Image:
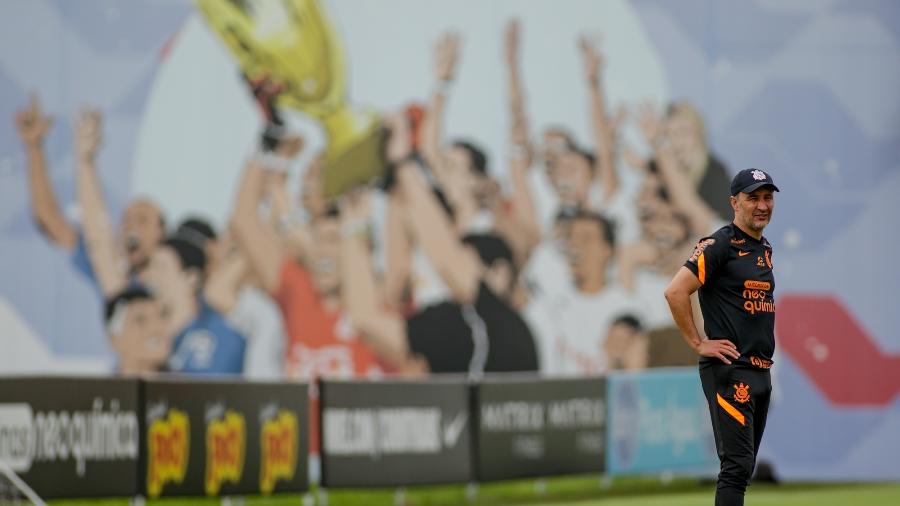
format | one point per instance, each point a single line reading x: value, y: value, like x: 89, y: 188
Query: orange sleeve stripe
x: 701, y: 268
x: 731, y: 410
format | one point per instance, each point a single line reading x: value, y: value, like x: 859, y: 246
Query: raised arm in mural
x: 106, y: 258
x: 604, y: 127
x: 258, y: 237
x: 398, y: 252
x: 284, y: 215
x: 33, y: 126
x: 681, y: 190
x: 231, y: 271
x: 432, y: 228
x: 476, y: 331
x: 522, y: 229
x: 227, y: 274
x: 446, y: 55
x: 382, y: 329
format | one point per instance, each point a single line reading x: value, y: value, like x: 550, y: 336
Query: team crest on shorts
x: 741, y: 392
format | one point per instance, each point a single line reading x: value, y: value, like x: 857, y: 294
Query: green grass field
x: 568, y: 491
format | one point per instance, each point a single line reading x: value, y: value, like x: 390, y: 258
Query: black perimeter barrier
x: 395, y: 432
x: 530, y: 427
x: 74, y: 437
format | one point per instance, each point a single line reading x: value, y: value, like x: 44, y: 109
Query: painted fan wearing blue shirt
x: 203, y: 342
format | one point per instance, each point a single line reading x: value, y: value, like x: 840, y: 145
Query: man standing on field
x: 732, y: 269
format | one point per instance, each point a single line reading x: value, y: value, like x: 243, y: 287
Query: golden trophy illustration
x: 292, y: 44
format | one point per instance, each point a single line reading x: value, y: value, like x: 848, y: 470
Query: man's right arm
x: 526, y: 229
x: 678, y: 295
x: 446, y: 56
x: 458, y: 266
x: 257, y: 237
x: 106, y: 258
x: 604, y: 127
x: 398, y: 271
x: 33, y: 127
x: 383, y: 331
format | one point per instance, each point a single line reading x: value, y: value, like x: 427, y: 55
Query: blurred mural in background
x: 200, y: 248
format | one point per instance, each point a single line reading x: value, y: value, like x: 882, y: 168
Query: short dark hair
x: 562, y: 131
x: 608, y: 228
x: 662, y: 192
x: 196, y: 230
x: 476, y: 155
x: 566, y: 214
x: 629, y: 320
x: 190, y: 255
x: 132, y: 292
x: 587, y: 155
x: 332, y: 210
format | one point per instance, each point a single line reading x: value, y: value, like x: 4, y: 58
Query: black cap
x: 748, y: 180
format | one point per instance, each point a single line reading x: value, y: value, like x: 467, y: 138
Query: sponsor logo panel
x: 168, y: 447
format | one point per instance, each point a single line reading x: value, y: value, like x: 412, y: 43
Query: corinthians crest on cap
x: 758, y: 175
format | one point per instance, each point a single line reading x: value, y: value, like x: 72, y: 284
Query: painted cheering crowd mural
x: 345, y: 189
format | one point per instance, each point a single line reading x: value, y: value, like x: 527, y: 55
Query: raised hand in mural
x: 511, y: 42
x: 593, y: 60
x: 446, y: 56
x: 88, y: 134
x: 32, y: 123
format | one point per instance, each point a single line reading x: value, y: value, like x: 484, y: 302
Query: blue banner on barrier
x: 659, y: 421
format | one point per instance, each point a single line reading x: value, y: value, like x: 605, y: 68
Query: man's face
x: 462, y: 184
x: 459, y: 160
x: 141, y: 231
x: 142, y: 336
x: 572, y: 179
x: 554, y: 144
x: 174, y: 287
x: 649, y: 204
x: 754, y: 210
x: 587, y: 249
x: 684, y: 134
x: 216, y: 250
x: 663, y: 227
x: 626, y: 347
x: 325, y: 255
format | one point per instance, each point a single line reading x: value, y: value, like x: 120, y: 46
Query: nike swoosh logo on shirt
x: 743, y: 253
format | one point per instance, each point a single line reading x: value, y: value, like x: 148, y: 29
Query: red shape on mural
x: 835, y: 352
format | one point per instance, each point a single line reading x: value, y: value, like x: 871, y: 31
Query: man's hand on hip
x: 719, y: 348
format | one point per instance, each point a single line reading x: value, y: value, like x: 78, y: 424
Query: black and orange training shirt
x: 737, y: 292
